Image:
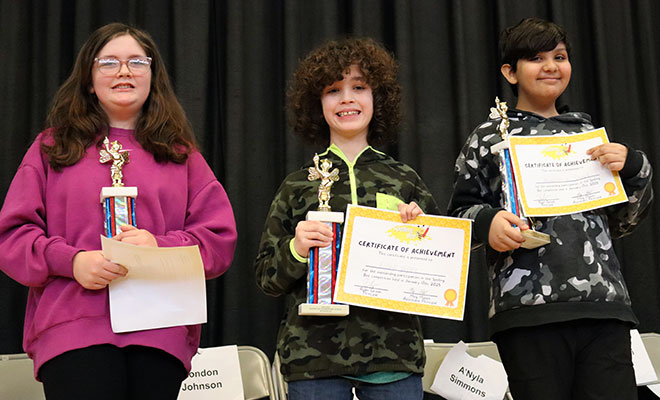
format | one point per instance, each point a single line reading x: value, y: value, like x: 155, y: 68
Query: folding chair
x: 652, y: 344
x: 255, y: 373
x: 278, y: 379
x: 489, y: 349
x: 436, y: 352
x: 17, y: 377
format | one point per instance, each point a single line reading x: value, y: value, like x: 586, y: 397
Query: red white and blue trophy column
x: 118, y: 200
x: 323, y: 261
x: 510, y: 196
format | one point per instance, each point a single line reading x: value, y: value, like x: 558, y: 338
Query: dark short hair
x: 529, y: 37
x: 327, y: 64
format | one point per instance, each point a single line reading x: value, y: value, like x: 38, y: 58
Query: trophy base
x: 534, y: 239
x: 496, y: 148
x: 118, y: 191
x: 326, y: 216
x: 323, y: 310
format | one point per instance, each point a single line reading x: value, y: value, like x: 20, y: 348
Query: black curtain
x: 230, y: 62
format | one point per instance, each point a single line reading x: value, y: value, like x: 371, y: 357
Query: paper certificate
x: 555, y: 176
x: 165, y: 286
x: 419, y: 267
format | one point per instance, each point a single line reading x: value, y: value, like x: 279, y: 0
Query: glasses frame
x: 122, y: 62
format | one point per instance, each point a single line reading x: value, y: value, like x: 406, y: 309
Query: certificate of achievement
x: 555, y: 176
x: 418, y: 267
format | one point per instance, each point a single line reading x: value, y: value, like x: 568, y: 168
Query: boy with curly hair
x: 560, y: 314
x: 344, y: 94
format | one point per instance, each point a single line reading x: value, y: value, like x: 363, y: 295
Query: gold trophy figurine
x: 118, y: 201
x: 327, y: 179
x: 511, y: 202
x: 323, y: 262
x: 113, y: 152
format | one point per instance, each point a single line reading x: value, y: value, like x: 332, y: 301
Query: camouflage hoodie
x: 366, y: 340
x: 577, y: 275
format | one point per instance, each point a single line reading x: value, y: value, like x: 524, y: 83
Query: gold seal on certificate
x: 118, y: 200
x: 322, y: 262
x: 510, y: 196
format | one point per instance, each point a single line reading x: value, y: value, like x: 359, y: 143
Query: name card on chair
x: 215, y: 374
x: 463, y: 377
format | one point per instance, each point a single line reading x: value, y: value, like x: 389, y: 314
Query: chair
x: 255, y: 373
x: 17, y: 378
x: 489, y: 349
x: 652, y: 344
x: 436, y: 352
x: 278, y: 379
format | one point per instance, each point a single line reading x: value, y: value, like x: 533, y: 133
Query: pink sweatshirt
x: 49, y: 216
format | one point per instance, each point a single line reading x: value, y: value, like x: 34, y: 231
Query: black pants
x: 580, y: 360
x: 113, y: 373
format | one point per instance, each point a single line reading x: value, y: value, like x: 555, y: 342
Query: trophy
x: 118, y: 200
x: 511, y: 200
x: 323, y: 261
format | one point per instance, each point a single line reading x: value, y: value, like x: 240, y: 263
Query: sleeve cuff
x: 482, y: 223
x: 295, y: 254
x: 60, y: 259
x: 633, y: 164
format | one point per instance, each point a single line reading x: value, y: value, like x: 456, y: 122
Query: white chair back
x: 652, y: 344
x: 17, y: 378
x: 255, y: 373
x: 436, y: 352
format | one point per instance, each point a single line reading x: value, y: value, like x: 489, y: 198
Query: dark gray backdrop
x: 230, y: 61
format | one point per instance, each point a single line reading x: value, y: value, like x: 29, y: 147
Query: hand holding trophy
x: 533, y: 239
x: 323, y: 261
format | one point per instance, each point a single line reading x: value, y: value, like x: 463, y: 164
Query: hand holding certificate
x: 419, y: 267
x: 556, y: 176
x: 165, y: 286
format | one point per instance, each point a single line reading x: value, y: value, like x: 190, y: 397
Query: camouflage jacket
x: 366, y: 340
x: 577, y: 275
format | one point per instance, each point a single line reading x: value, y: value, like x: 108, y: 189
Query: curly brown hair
x: 77, y: 117
x: 328, y: 64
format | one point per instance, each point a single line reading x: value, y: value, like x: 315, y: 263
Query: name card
x: 463, y: 377
x: 215, y: 374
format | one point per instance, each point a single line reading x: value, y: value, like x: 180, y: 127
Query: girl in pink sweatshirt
x: 51, y: 222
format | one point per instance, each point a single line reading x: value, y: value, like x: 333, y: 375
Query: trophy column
x: 533, y: 239
x: 323, y: 261
x: 118, y: 200
x: 118, y: 208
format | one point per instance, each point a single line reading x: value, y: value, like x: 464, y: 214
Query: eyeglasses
x: 111, y: 65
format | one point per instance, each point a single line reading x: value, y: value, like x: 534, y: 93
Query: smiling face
x: 541, y: 79
x: 121, y: 95
x: 348, y: 106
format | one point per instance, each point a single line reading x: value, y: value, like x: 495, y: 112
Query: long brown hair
x: 162, y: 128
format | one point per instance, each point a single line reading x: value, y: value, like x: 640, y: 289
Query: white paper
x: 164, y: 287
x: 644, y: 372
x: 463, y: 377
x: 215, y: 374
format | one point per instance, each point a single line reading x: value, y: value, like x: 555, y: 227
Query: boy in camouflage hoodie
x: 560, y: 314
x: 344, y: 93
